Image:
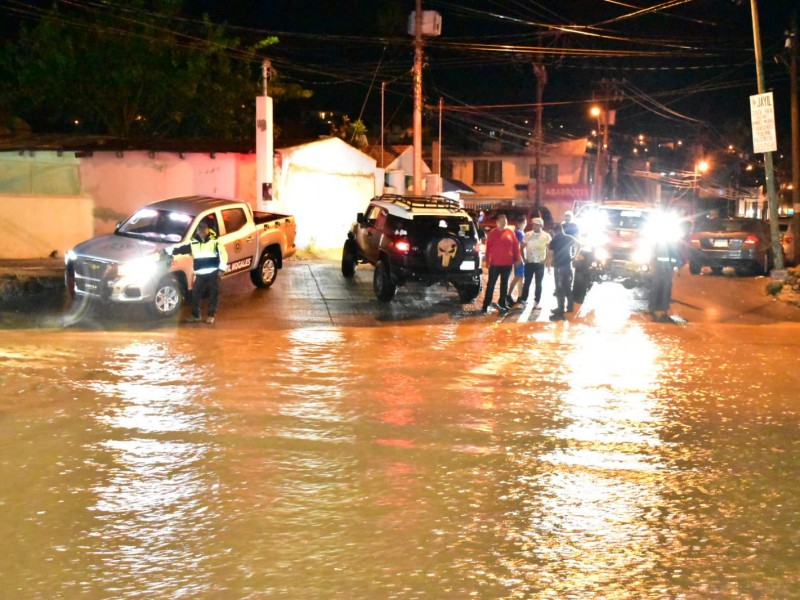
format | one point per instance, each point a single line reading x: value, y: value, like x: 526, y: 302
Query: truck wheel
x: 580, y: 285
x: 168, y: 298
x: 695, y: 268
x: 382, y: 283
x: 468, y: 293
x: 349, y: 259
x: 265, y: 273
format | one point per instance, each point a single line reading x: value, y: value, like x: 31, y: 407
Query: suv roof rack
x: 413, y: 202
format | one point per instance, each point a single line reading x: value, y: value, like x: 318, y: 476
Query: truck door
x: 370, y: 233
x: 239, y: 237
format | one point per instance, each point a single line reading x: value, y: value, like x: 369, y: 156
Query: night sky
x: 685, y: 67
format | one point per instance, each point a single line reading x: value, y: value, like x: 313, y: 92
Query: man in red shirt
x: 502, y: 253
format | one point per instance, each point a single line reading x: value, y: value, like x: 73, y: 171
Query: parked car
x: 514, y: 212
x: 739, y: 242
x: 130, y: 265
x: 788, y: 231
x: 616, y: 240
x: 426, y: 239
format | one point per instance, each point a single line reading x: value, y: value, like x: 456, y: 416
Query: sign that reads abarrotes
x: 762, y: 117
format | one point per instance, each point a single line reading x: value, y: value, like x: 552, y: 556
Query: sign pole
x: 769, y: 172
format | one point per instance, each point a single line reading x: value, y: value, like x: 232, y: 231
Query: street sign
x: 762, y: 117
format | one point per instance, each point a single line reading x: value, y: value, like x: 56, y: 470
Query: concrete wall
x: 121, y: 184
x: 35, y: 226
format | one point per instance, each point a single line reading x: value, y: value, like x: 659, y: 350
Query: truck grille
x: 91, y: 274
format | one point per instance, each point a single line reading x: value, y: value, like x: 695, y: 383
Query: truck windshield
x: 161, y: 225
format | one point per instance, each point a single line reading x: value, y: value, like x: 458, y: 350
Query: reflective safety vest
x: 209, y: 255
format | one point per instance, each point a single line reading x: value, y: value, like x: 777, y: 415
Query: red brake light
x: 402, y: 246
x: 751, y: 239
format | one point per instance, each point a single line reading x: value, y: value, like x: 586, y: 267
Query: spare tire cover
x: 445, y: 253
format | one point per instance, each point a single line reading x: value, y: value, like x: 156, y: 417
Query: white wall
x: 35, y: 226
x: 121, y: 184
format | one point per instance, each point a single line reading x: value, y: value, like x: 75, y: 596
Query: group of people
x: 518, y: 258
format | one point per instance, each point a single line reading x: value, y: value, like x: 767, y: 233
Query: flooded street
x: 460, y: 458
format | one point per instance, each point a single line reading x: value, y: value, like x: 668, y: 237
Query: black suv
x: 426, y: 239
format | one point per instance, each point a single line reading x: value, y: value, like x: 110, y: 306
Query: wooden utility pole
x: 791, y: 46
x: 777, y: 249
x: 541, y: 80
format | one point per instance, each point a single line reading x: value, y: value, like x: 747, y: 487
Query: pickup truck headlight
x: 141, y: 268
x: 601, y: 254
x: 70, y: 257
x: 642, y: 255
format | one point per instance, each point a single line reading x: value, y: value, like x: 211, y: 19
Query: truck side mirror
x: 360, y: 219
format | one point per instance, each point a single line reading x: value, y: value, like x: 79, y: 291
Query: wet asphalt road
x: 313, y: 293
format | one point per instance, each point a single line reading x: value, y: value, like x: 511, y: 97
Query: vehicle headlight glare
x: 641, y: 256
x: 601, y: 254
x: 138, y: 269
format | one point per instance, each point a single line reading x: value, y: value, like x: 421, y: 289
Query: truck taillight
x: 750, y: 240
x: 402, y: 246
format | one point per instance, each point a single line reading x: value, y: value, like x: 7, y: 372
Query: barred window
x: 487, y: 171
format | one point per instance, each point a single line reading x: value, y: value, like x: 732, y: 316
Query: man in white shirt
x: 535, y: 244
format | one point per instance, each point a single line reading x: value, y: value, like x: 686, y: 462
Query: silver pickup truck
x: 130, y: 265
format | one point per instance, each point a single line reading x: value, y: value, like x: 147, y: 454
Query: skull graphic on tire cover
x: 446, y: 250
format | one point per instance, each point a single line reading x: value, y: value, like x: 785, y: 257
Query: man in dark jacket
x: 562, y: 251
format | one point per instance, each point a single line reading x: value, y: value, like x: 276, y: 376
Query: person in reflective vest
x: 210, y: 261
x: 665, y: 262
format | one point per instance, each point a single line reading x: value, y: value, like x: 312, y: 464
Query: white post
x: 264, y: 146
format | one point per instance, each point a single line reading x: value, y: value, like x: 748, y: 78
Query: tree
x: 132, y: 69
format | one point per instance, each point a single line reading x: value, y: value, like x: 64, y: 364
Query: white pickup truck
x: 130, y: 265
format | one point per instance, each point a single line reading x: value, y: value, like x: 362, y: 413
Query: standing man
x: 210, y: 261
x: 502, y: 253
x: 665, y: 262
x: 535, y: 245
x: 562, y: 251
x: 569, y: 225
x: 519, y: 269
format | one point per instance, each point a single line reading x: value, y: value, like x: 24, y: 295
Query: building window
x: 487, y: 171
x: 549, y: 173
x: 447, y: 169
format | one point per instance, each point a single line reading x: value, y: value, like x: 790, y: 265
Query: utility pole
x: 264, y: 143
x: 769, y: 170
x: 791, y: 46
x: 540, y: 71
x: 418, y: 99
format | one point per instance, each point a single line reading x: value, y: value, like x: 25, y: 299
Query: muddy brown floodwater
x: 466, y: 459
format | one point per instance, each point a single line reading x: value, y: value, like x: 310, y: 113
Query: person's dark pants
x: 533, y: 272
x: 504, y: 274
x: 208, y: 282
x: 563, y: 280
x: 661, y: 292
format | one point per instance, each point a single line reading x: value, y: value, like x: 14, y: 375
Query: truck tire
x: 468, y: 293
x: 265, y: 273
x: 382, y: 283
x: 349, y: 259
x: 695, y: 268
x: 168, y: 298
x: 445, y: 254
x: 580, y: 285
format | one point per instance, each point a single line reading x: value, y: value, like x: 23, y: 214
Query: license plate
x: 721, y: 243
x: 468, y: 265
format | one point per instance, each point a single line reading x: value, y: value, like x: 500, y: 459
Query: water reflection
x: 457, y: 461
x: 154, y: 493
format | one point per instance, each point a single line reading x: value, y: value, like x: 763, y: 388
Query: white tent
x: 323, y: 184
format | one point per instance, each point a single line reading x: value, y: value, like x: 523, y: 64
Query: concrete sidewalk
x: 24, y: 277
